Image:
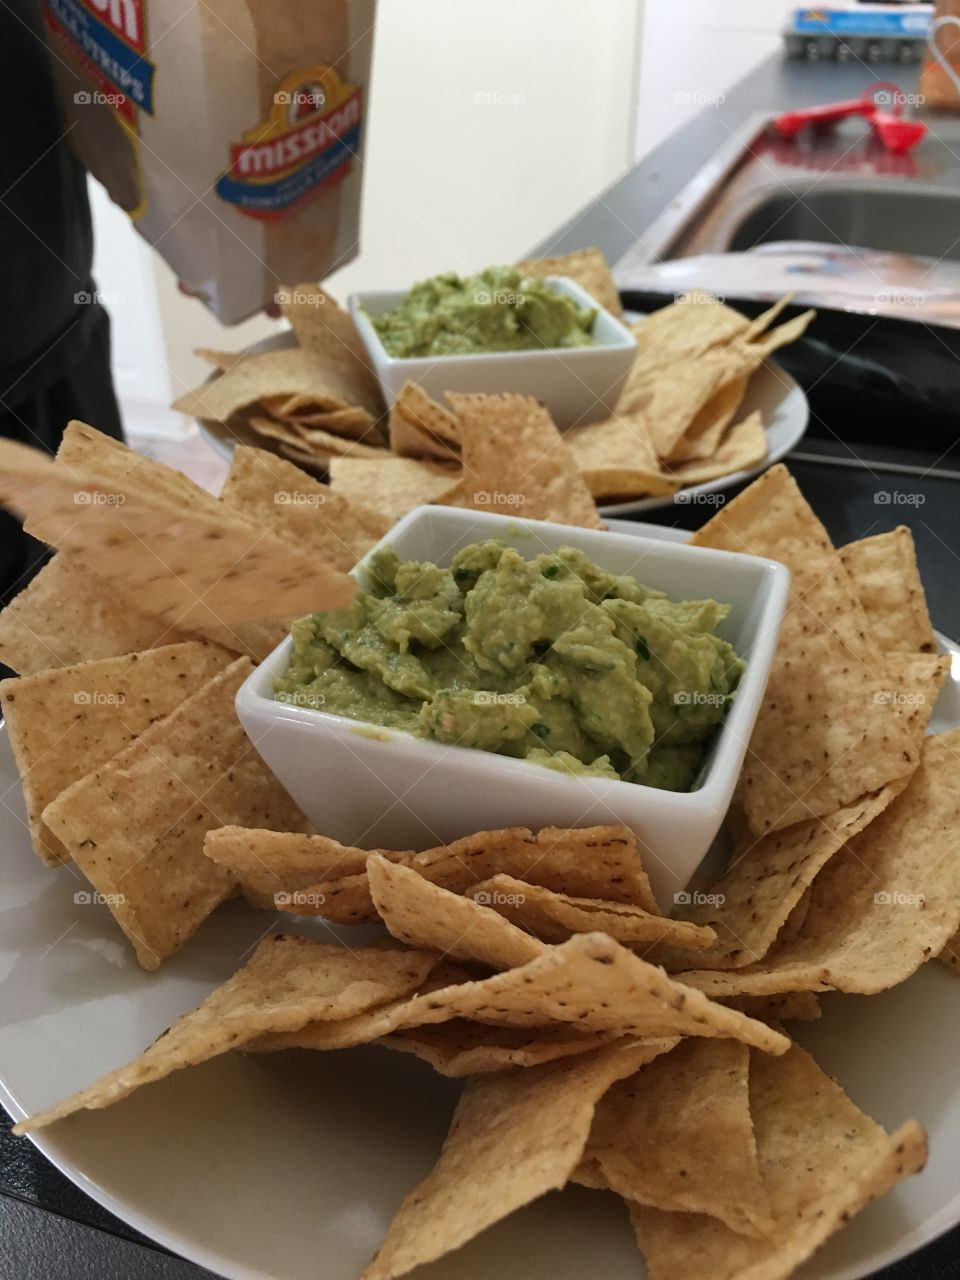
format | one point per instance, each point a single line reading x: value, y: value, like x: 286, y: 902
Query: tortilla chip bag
x: 229, y: 131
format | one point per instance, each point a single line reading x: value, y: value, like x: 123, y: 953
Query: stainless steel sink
x: 913, y: 221
x: 838, y: 188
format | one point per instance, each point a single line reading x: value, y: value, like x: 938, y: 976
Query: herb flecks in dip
x: 499, y: 309
x: 552, y: 660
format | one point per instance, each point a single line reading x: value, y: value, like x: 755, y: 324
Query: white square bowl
x: 577, y: 384
x: 382, y: 788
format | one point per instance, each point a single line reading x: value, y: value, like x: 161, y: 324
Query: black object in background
x: 54, y: 335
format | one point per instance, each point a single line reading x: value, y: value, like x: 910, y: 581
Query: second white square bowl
x: 577, y: 384
x: 380, y: 788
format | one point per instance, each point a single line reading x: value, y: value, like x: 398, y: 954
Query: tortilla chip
x: 868, y: 734
x: 69, y: 720
x: 276, y: 864
x: 837, y: 718
x: 68, y: 614
x: 593, y: 983
x: 341, y: 899
x: 684, y: 331
x: 327, y: 331
x: 677, y: 1136
x: 821, y: 1161
x: 882, y: 906
x: 117, y: 466
x: 515, y: 460
x: 421, y: 428
x: 311, y: 444
x: 514, y: 1136
x: 286, y: 983
x: 304, y: 411
x: 191, y: 771
x: 690, y: 406
x: 950, y: 955
x: 410, y: 438
x: 355, y: 422
x: 766, y: 318
x: 221, y: 360
x: 324, y: 444
x: 791, y: 1006
x: 306, y: 459
x: 770, y: 518
x: 589, y: 862
x: 702, y: 438
x: 300, y: 510
x: 588, y: 267
x: 589, y: 983
x: 673, y: 397
x: 269, y: 429
x: 461, y: 1048
x: 198, y: 568
x: 422, y: 914
x: 767, y: 342
x: 371, y: 1026
x: 885, y: 571
x: 414, y: 403
x: 749, y: 905
x: 554, y: 917
x: 392, y: 486
x: 616, y: 458
x: 742, y: 448
x: 292, y: 372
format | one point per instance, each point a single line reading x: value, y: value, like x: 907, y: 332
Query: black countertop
x: 49, y: 1230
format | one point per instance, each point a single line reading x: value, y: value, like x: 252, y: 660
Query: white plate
x: 785, y: 413
x: 782, y: 404
x: 289, y: 1166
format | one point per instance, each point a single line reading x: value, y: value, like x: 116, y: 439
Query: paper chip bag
x: 229, y: 131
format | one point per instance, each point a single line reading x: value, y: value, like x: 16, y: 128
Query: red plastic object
x: 896, y: 135
x: 791, y: 123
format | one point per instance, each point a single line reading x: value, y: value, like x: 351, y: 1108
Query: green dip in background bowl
x: 499, y: 309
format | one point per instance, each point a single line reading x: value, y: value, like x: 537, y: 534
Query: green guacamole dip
x: 551, y: 660
x: 500, y: 309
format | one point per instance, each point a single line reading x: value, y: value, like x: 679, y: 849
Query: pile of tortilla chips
x: 311, y: 401
x: 845, y: 866
x: 131, y: 644
x: 677, y: 422
x: 516, y: 960
x: 601, y: 1041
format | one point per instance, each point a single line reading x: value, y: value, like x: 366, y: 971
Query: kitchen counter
x: 617, y: 218
x: 50, y: 1230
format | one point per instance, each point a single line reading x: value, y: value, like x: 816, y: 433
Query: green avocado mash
x: 551, y: 660
x: 500, y: 309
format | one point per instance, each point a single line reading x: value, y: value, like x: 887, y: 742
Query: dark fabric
x: 46, y: 240
x: 85, y: 391
x: 54, y: 338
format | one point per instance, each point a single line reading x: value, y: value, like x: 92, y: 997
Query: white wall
x: 693, y: 52
x: 123, y: 272
x: 491, y: 121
